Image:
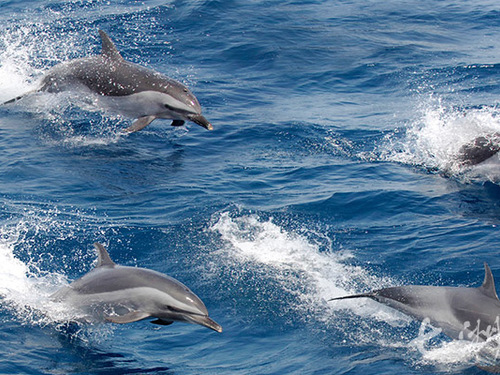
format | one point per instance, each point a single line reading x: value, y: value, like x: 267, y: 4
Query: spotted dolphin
x: 120, y: 294
x: 130, y: 89
x: 462, y: 313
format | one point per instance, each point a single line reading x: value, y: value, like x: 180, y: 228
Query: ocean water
x: 331, y: 170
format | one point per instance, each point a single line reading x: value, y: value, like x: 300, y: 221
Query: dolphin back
x: 479, y: 150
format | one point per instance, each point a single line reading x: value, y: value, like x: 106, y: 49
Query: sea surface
x: 331, y: 170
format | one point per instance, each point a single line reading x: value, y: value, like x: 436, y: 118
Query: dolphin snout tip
x: 212, y: 324
x: 205, y: 321
x: 201, y: 120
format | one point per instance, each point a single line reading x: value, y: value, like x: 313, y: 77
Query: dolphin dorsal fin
x: 488, y: 287
x: 104, y: 259
x: 108, y: 47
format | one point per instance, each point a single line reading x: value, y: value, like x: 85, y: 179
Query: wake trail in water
x: 308, y: 270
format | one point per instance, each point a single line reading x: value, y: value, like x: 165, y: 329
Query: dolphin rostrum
x: 120, y: 294
x: 130, y: 89
x: 462, y: 313
x: 480, y: 149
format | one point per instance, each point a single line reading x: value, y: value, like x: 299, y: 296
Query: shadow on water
x: 480, y: 202
x: 86, y: 358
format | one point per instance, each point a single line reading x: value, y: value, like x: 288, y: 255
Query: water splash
x: 434, y: 139
x: 24, y: 291
x: 29, y: 274
x: 307, y: 269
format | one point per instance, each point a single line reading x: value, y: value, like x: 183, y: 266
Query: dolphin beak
x: 205, y: 321
x: 200, y: 120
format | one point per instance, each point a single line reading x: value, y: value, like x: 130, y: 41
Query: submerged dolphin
x: 131, y: 89
x: 462, y: 313
x: 120, y: 294
x: 480, y: 149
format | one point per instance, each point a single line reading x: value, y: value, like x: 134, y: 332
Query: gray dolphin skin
x: 462, y: 313
x: 480, y: 149
x: 120, y: 294
x: 131, y: 89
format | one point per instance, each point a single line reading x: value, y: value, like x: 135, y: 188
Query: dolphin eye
x: 169, y: 107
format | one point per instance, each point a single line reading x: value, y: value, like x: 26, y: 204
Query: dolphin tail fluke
x: 13, y: 100
x: 363, y: 295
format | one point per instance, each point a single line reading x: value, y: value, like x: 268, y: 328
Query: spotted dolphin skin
x: 462, y: 313
x: 119, y: 294
x: 130, y: 89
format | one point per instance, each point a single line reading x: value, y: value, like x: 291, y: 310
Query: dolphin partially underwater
x: 462, y: 313
x: 479, y: 149
x: 120, y: 294
x: 130, y: 89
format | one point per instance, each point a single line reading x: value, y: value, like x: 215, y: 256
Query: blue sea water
x: 331, y: 170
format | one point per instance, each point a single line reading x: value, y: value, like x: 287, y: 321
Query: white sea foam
x: 25, y: 288
x: 17, y: 75
x: 308, y: 269
x: 27, y: 293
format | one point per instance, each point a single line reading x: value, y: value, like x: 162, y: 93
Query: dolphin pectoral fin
x: 130, y: 317
x: 140, y: 123
x: 177, y: 123
x: 162, y: 322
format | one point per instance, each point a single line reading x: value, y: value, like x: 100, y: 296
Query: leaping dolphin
x: 462, y: 313
x: 131, y: 89
x: 121, y: 294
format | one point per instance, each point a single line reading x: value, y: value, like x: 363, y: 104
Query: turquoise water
x: 331, y: 170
